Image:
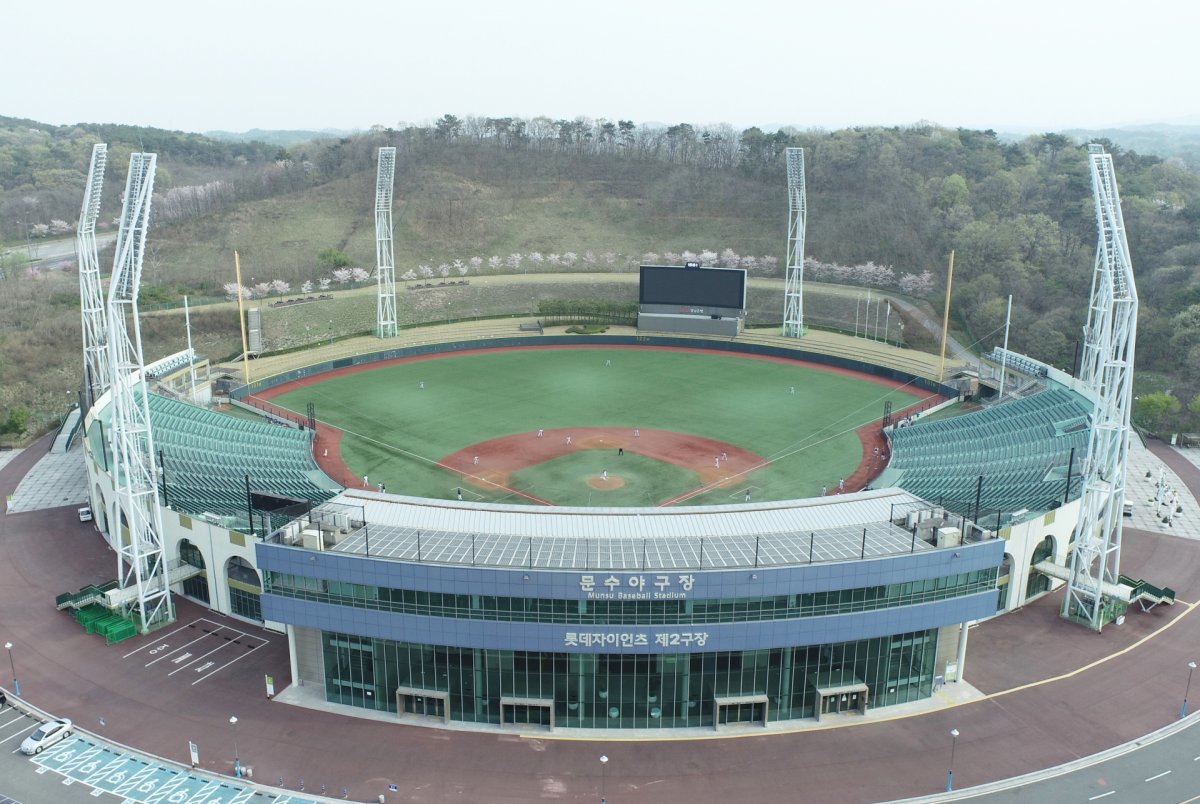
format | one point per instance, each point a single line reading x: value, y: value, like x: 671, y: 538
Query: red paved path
x: 70, y: 673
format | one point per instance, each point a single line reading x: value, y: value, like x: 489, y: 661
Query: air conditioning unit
x: 949, y: 537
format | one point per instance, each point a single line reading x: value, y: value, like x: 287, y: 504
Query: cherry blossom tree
x: 514, y: 261
x: 408, y: 275
x: 687, y: 256
x: 307, y: 287
x: 476, y: 263
x: 671, y: 257
x: 649, y: 258
x: 426, y: 271
x: 280, y: 287
x: 462, y: 269
x: 915, y: 285
x: 324, y: 283
x: 589, y: 258
x: 342, y: 275
x: 569, y: 258
x: 536, y: 259
x: 261, y: 290
x: 554, y: 259
x: 494, y: 262
x: 609, y: 258
x: 359, y: 275
x: 708, y: 257
x: 444, y: 270
x: 749, y: 263
x: 231, y: 290
x: 730, y: 259
x: 769, y: 264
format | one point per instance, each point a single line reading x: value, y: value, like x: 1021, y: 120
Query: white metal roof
x: 839, y: 528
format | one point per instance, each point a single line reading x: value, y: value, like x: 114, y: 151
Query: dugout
x: 692, y: 300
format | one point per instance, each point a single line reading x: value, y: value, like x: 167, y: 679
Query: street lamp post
x: 237, y: 758
x: 16, y: 686
x: 950, y: 775
x: 1186, y: 690
x: 603, y: 776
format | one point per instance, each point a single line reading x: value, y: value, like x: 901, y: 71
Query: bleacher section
x: 1017, y: 362
x: 207, y: 456
x: 170, y: 364
x: 1021, y: 448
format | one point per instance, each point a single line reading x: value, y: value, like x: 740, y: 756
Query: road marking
x: 222, y: 667
x: 18, y: 734
x: 182, y: 658
x: 215, y: 633
x: 1102, y: 795
x: 1159, y: 776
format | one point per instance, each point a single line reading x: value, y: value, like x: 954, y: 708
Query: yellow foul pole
x: 237, y: 267
x: 945, y: 320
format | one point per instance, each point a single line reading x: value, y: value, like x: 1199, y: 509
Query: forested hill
x: 489, y: 194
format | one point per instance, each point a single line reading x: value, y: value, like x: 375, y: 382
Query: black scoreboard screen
x: 693, y: 287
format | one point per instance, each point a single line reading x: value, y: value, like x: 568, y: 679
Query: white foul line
x: 1159, y: 776
x: 1102, y: 795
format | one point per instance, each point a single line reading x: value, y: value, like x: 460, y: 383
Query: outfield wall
x: 516, y: 342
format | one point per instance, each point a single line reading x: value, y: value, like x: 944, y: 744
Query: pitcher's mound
x: 611, y: 483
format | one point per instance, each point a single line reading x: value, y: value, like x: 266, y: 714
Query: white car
x: 85, y: 514
x: 49, y: 733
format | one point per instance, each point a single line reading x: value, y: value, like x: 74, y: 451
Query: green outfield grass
x: 395, y: 429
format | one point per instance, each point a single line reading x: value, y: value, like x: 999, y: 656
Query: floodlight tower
x: 793, y: 283
x: 91, y: 294
x: 140, y: 553
x: 385, y: 270
x: 1109, y: 340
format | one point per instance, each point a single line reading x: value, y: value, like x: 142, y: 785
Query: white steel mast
x: 1108, y: 356
x: 385, y: 270
x: 91, y: 294
x: 139, y: 539
x: 793, y: 283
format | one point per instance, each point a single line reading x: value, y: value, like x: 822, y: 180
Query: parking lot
x: 196, y: 651
x: 19, y: 779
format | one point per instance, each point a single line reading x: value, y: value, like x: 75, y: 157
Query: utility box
x: 949, y: 537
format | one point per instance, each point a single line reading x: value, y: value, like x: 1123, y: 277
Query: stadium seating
x: 208, y: 455
x: 1020, y: 447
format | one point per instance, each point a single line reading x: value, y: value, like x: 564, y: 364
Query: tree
x: 448, y: 127
x: 1149, y: 409
x: 332, y: 258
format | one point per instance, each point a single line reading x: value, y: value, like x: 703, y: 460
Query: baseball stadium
x: 672, y: 523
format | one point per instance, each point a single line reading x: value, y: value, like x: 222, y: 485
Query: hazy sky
x: 1018, y: 65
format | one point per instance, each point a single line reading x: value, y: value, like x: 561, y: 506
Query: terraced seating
x: 1020, y: 447
x: 208, y: 455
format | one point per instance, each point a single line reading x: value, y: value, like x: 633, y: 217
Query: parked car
x: 49, y: 733
x: 85, y: 514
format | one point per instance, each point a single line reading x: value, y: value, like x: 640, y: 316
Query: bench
x: 536, y: 326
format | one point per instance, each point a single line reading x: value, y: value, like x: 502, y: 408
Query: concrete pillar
x: 295, y: 664
x: 962, y: 651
